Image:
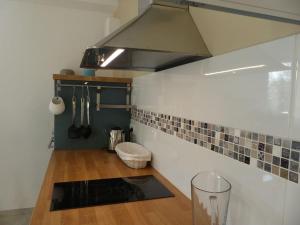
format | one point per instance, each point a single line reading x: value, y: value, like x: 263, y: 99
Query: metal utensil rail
x: 99, y: 87
x: 90, y: 86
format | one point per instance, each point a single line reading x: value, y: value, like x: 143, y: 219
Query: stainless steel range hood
x: 162, y: 37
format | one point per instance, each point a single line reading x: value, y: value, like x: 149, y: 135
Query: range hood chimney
x: 163, y: 36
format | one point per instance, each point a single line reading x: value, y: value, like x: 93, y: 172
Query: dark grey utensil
x: 83, y: 129
x: 73, y: 131
x: 88, y: 129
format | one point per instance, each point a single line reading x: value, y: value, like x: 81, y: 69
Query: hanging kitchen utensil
x: 57, y: 105
x: 88, y: 130
x: 82, y: 127
x: 73, y: 131
x: 98, y: 101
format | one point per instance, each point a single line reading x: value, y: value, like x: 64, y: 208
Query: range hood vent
x: 162, y: 37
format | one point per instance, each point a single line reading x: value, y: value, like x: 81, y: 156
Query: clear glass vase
x: 210, y: 198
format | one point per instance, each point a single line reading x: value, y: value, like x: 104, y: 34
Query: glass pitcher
x: 210, y: 198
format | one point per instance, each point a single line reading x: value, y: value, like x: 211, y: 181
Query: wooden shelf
x: 108, y: 106
x: 92, y: 78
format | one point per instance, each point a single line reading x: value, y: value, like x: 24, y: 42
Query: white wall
x: 263, y: 100
x: 36, y: 41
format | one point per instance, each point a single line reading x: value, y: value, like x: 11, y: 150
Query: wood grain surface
x: 67, y: 165
x: 92, y: 78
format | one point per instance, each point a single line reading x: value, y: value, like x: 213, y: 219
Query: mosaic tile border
x: 276, y: 155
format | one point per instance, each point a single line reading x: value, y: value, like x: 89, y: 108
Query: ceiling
x: 289, y: 9
x: 225, y: 32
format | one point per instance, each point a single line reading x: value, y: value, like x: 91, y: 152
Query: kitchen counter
x: 67, y: 165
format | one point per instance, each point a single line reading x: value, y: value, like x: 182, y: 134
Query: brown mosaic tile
x: 268, y: 158
x: 275, y: 170
x: 255, y: 145
x: 248, y: 143
x: 284, y: 173
x: 261, y: 138
x: 269, y: 148
x: 242, y: 141
x: 254, y: 154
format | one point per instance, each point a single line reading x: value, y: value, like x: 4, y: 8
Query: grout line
x: 15, y: 212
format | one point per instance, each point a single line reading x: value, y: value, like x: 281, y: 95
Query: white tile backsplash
x: 257, y: 197
x: 295, y: 115
x: 250, y: 99
x: 256, y: 99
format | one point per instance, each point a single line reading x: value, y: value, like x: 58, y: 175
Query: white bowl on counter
x: 133, y: 155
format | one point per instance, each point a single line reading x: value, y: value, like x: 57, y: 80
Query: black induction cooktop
x: 78, y: 194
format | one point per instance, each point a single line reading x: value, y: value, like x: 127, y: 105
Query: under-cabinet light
x: 236, y: 69
x: 115, y: 54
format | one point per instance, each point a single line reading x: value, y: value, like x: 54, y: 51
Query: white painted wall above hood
x: 281, y: 8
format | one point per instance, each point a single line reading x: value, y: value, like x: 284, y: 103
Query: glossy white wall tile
x: 252, y: 97
x: 257, y: 197
x: 292, y: 200
x: 295, y: 115
x: 249, y: 89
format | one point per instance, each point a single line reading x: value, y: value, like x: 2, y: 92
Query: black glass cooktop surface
x: 78, y: 194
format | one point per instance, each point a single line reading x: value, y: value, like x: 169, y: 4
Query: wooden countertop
x: 66, y: 165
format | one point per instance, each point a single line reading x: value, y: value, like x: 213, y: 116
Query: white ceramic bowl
x: 133, y: 155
